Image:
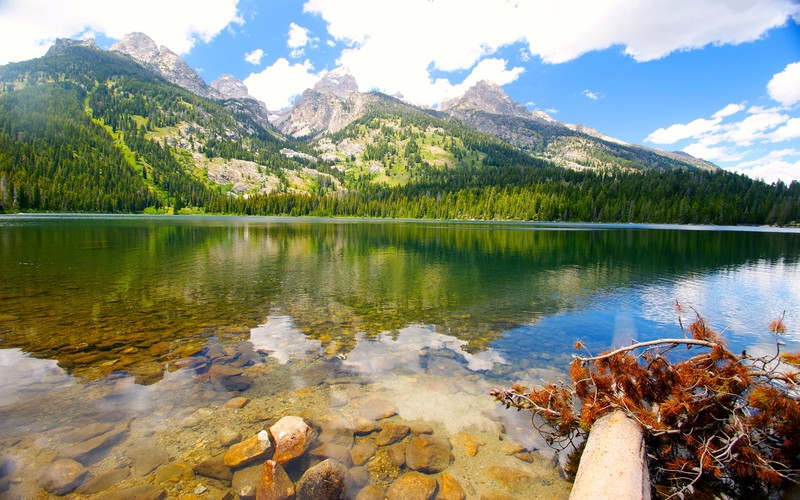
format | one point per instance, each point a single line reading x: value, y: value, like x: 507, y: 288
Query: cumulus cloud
x: 28, y: 27
x: 729, y: 110
x: 298, y: 39
x: 783, y: 164
x: 790, y: 130
x: 280, y: 83
x: 680, y: 131
x: 254, y: 57
x: 785, y: 86
x: 396, y: 46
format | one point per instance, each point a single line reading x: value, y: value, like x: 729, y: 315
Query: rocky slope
x: 163, y: 61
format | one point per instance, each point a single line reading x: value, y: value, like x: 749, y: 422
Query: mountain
x: 163, y: 61
x: 83, y: 129
x: 332, y: 104
x: 487, y: 107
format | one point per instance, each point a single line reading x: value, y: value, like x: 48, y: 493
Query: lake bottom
x: 365, y: 408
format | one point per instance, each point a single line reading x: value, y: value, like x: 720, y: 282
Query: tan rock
x: 237, y: 402
x: 512, y: 480
x: 245, y: 481
x: 362, y: 426
x: 428, y: 454
x: 228, y: 437
x: 292, y: 437
x: 274, y: 483
x: 391, y: 433
x: 362, y: 452
x: 449, y: 488
x: 250, y: 450
x: 174, y: 472
x: 371, y: 492
x: 412, y: 486
x: 215, y: 468
x: 377, y: 409
x: 468, y: 443
x: 332, y: 450
x: 62, y: 476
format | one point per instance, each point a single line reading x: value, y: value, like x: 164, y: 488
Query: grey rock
x: 146, y: 457
x: 103, y: 481
x: 328, y: 479
x: 245, y: 481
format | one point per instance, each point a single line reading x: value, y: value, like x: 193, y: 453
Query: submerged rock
x: 428, y: 454
x: 214, y: 468
x: 146, y: 492
x: 377, y: 409
x: 449, y: 488
x: 328, y: 479
x: 85, y: 451
x: 228, y: 437
x: 274, y: 483
x: 146, y: 457
x: 103, y: 481
x: 253, y: 449
x: 391, y: 433
x: 245, y: 481
x: 412, y: 486
x: 292, y: 437
x: 62, y: 476
x: 362, y: 452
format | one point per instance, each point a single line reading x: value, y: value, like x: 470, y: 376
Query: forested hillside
x: 84, y: 130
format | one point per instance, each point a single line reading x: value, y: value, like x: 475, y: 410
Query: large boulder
x: 292, y: 437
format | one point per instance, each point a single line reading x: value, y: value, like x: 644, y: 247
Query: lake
x: 142, y: 346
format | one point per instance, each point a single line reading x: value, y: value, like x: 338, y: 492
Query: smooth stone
x: 197, y: 418
x: 174, y: 472
x: 469, y: 443
x: 103, y: 481
x: 292, y: 437
x: 7, y: 466
x: 336, y: 437
x: 83, y: 452
x: 362, y: 452
x: 417, y: 428
x: 228, y: 437
x: 360, y: 475
x: 252, y: 449
x: 378, y: 409
x: 87, y: 432
x: 245, y: 481
x: 328, y: 479
x: 362, y: 426
x: 391, y: 433
x: 449, y: 488
x: 397, y: 454
x: 237, y: 402
x: 146, y: 492
x: 371, y: 492
x: 412, y: 486
x: 62, y: 476
x: 525, y: 456
x: 237, y: 383
x: 514, y: 481
x: 428, y: 454
x: 146, y: 457
x: 331, y: 450
x: 274, y: 483
x: 214, y: 468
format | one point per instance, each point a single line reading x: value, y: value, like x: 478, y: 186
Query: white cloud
x: 790, y: 130
x: 680, y: 131
x: 298, y: 39
x: 777, y: 165
x: 28, y: 27
x: 785, y: 86
x: 754, y: 127
x: 394, y: 46
x: 594, y: 96
x: 254, y: 57
x: 279, y: 84
x: 729, y: 110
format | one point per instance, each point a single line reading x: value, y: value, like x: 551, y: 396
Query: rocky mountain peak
x: 338, y: 82
x: 62, y: 44
x: 168, y: 64
x: 230, y: 87
x: 488, y: 97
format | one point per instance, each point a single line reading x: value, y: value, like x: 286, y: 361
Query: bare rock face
x: 292, y: 437
x: 163, y: 61
x: 488, y: 97
x: 230, y: 87
x: 338, y: 82
x: 61, y: 45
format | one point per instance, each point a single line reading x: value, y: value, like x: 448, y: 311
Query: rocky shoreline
x: 232, y: 422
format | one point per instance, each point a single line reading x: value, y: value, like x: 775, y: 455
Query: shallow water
x: 112, y: 324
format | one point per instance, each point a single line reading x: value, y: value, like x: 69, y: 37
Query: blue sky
x: 719, y: 79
